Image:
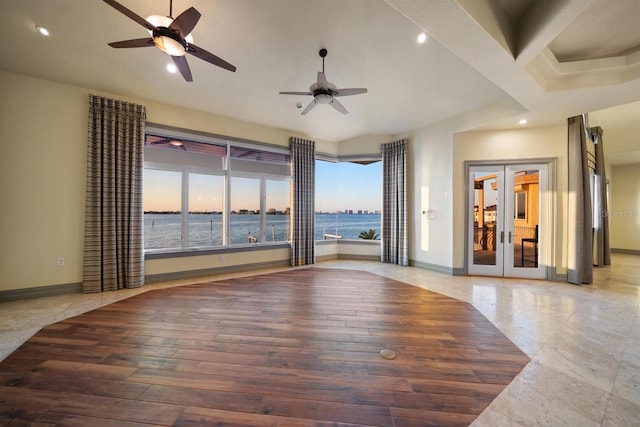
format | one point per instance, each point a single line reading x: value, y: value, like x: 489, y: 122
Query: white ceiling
x: 550, y: 60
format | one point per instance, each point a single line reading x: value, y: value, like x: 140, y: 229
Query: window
x: 520, y: 205
x: 595, y: 182
x: 205, y: 224
x: 162, y: 206
x: 348, y: 199
x: 277, y: 214
x: 203, y: 192
x: 245, y: 215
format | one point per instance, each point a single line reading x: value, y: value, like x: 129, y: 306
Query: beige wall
x: 516, y: 144
x: 430, y: 190
x: 43, y: 132
x: 166, y: 266
x: 624, y: 212
x: 431, y: 183
x: 43, y: 128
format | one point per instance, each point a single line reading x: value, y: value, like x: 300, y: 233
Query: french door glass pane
x: 206, y: 198
x: 485, y: 211
x: 526, y: 185
x: 162, y: 209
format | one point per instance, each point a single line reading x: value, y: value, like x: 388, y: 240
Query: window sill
x: 348, y: 241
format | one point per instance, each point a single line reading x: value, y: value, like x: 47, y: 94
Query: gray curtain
x: 113, y: 236
x: 603, y: 250
x: 580, y: 210
x: 303, y: 160
x: 394, y: 203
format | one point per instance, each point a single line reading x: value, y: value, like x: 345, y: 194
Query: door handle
x: 502, y: 237
x: 509, y: 237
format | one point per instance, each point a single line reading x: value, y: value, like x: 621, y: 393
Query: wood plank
x: 16, y: 399
x: 73, y: 384
x: 195, y: 417
x: 295, y: 348
x: 183, y: 379
x: 224, y: 400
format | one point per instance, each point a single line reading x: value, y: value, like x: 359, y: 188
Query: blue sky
x: 342, y: 186
x: 339, y: 187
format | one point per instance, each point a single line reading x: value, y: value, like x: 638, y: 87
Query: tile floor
x: 583, y: 341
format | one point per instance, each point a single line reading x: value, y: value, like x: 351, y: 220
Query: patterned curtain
x: 303, y: 159
x: 603, y: 250
x: 580, y: 211
x: 394, y: 203
x: 113, y: 239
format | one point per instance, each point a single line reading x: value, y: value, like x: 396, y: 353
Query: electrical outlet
x: 222, y: 258
x: 60, y: 262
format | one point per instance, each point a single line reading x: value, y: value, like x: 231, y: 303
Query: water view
x: 164, y: 231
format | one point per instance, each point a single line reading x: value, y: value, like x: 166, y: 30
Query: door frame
x: 547, y: 234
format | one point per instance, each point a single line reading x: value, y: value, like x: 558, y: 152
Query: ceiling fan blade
x: 322, y: 81
x: 338, y: 106
x: 209, y: 57
x: 133, y: 43
x: 183, y: 66
x: 309, y: 107
x: 347, y: 92
x: 296, y: 93
x: 186, y: 21
x: 120, y: 8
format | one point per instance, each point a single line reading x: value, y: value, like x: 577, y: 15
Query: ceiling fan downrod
x: 322, y: 53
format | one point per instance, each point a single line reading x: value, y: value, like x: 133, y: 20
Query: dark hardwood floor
x: 297, y: 348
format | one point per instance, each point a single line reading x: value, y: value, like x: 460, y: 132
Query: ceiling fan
x: 172, y: 36
x: 325, y: 92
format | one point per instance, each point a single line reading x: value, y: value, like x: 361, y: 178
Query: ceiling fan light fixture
x: 164, y: 22
x: 323, y: 98
x: 325, y: 92
x: 166, y: 40
x: 169, y: 45
x: 171, y: 36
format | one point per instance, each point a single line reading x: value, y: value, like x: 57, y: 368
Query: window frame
x: 520, y: 205
x: 260, y: 172
x: 360, y: 159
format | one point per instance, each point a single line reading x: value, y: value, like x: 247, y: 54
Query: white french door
x: 508, y: 219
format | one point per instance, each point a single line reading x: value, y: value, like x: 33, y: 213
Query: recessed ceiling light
x: 522, y: 122
x: 172, y: 68
x: 43, y: 30
x: 422, y: 37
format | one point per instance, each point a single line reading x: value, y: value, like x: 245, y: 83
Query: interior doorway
x: 508, y: 220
